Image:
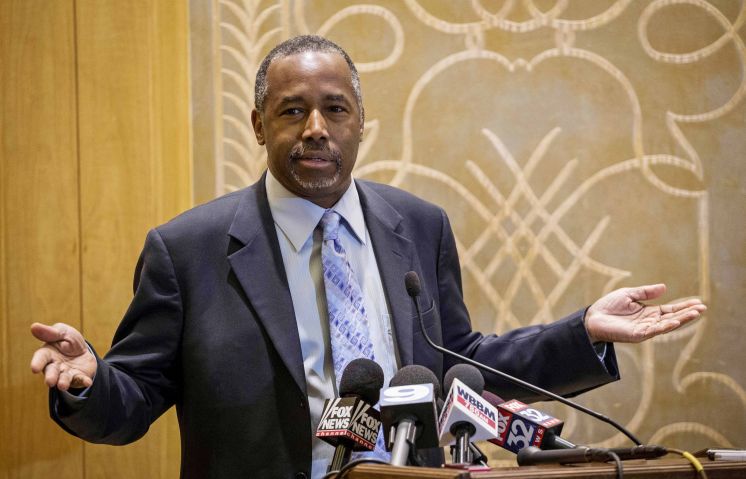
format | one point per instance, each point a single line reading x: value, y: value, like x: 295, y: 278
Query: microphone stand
x: 535, y: 389
x: 341, y: 457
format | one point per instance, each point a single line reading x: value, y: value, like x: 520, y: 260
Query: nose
x: 315, y: 127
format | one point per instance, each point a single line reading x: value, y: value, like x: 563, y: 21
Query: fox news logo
x: 352, y: 419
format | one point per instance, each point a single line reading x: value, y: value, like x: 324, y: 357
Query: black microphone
x: 408, y: 411
x: 552, y: 440
x: 464, y: 426
x: 412, y: 284
x: 532, y: 456
x: 479, y: 457
x: 521, y: 426
x: 349, y: 422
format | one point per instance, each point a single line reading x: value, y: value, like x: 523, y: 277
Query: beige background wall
x: 577, y: 146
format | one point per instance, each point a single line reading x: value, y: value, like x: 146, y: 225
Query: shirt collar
x: 298, y: 217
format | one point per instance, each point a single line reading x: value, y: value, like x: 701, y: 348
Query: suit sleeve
x: 139, y: 377
x: 558, y: 356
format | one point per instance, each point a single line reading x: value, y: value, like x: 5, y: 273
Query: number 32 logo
x: 520, y: 434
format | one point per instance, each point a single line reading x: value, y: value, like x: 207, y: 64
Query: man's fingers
x: 684, y: 315
x: 40, y: 359
x: 79, y: 379
x: 63, y: 380
x: 665, y: 326
x: 47, y: 334
x: 51, y: 374
x: 682, y: 305
x: 647, y: 292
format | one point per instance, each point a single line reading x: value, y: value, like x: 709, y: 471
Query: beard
x: 332, y: 154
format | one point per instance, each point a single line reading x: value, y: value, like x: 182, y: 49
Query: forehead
x: 301, y: 72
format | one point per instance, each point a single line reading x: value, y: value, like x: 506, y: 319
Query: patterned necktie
x: 348, y: 323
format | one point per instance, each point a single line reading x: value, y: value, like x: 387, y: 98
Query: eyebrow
x: 340, y: 97
x: 290, y: 99
x: 298, y: 98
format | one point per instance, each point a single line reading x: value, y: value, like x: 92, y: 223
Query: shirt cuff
x: 600, y: 350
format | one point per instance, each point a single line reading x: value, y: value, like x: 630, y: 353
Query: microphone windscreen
x: 492, y: 398
x: 412, y: 283
x: 363, y: 378
x: 415, y: 374
x: 467, y: 374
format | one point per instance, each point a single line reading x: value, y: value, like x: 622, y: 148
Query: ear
x: 362, y: 124
x: 256, y: 122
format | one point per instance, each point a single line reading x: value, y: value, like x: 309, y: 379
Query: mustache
x: 302, y: 149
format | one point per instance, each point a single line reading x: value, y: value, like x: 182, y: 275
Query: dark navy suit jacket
x: 211, y: 329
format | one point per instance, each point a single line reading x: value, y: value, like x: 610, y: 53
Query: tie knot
x: 330, y: 224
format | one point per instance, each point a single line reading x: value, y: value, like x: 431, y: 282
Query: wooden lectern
x: 652, y: 469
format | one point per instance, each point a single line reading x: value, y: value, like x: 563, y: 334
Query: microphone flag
x: 464, y: 405
x: 520, y: 426
x: 349, y: 418
x: 414, y: 403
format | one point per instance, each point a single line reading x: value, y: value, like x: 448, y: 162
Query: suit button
x: 301, y: 475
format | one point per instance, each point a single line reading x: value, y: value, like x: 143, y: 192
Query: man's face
x: 311, y: 125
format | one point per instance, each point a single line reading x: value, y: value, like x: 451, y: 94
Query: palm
x: 621, y: 316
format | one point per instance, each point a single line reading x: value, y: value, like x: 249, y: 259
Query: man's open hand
x: 64, y: 358
x: 620, y: 316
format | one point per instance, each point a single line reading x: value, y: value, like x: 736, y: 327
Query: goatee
x: 332, y: 154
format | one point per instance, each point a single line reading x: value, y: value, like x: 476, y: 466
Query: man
x: 233, y: 318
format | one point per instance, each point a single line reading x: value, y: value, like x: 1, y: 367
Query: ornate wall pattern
x: 577, y: 147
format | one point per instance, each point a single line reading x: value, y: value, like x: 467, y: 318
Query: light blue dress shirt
x: 296, y: 220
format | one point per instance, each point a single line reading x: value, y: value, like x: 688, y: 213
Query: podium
x: 675, y: 468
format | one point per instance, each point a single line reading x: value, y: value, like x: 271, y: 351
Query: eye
x: 291, y: 112
x: 337, y: 109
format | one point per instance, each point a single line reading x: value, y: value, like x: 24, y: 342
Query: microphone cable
x: 618, y: 463
x: 342, y: 473
x: 693, y: 460
x: 412, y: 283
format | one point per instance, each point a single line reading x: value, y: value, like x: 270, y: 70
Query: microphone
x: 532, y: 456
x: 554, y: 452
x: 522, y: 426
x: 479, y: 457
x: 408, y: 412
x: 349, y: 422
x: 466, y: 416
x: 552, y: 440
x: 413, y: 287
x: 547, y: 428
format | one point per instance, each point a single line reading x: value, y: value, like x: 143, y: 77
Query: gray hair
x: 302, y: 44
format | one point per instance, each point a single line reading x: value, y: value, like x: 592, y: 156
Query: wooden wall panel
x: 40, y: 244
x: 134, y: 175
x: 94, y: 141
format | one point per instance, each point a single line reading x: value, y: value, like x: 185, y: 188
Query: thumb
x: 47, y: 334
x: 647, y: 292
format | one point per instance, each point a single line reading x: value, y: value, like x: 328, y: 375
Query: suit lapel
x: 395, y: 255
x: 258, y: 265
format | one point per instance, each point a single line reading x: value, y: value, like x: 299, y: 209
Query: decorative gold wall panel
x: 577, y: 146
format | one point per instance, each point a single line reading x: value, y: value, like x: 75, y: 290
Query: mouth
x: 317, y: 157
x: 315, y: 168
x: 314, y: 158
